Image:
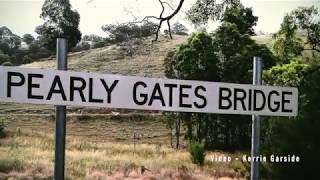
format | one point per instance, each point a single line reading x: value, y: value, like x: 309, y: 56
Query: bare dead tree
x: 162, y: 19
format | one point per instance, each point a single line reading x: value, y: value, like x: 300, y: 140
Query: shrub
x: 128, y: 31
x: 83, y: 45
x: 179, y: 29
x: 92, y: 38
x: 99, y: 44
x: 7, y: 64
x: 11, y: 164
x: 197, y: 153
x: 2, y: 129
x: 4, y: 58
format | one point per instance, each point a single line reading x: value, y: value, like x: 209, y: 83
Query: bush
x: 82, y: 46
x: 197, y: 153
x: 128, y: 31
x: 2, y: 129
x: 26, y: 59
x: 99, y: 44
x: 7, y: 64
x: 11, y: 164
x: 4, y: 58
x: 179, y: 29
x: 92, y: 38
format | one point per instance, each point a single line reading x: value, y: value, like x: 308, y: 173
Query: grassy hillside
x: 141, y: 58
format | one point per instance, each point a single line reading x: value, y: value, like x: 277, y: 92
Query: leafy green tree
x: 92, y: 38
x: 127, y: 31
x: 180, y: 29
x: 83, y: 45
x: 292, y: 74
x: 225, y: 55
x: 231, y: 11
x: 299, y: 135
x: 9, y: 42
x: 4, y: 48
x: 28, y: 38
x: 99, y: 44
x: 307, y: 19
x: 236, y: 51
x: 289, y: 41
x: 242, y: 17
x: 194, y: 60
x: 60, y: 21
x: 203, y: 11
x: 4, y: 58
x: 287, y: 44
x: 296, y: 135
x: 34, y: 47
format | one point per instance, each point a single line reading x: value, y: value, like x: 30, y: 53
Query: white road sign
x: 25, y: 85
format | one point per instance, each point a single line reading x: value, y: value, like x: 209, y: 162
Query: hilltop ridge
x: 140, y: 57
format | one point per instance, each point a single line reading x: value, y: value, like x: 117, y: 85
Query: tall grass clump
x: 2, y: 129
x: 197, y: 153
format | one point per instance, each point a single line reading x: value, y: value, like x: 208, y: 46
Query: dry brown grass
x: 31, y: 155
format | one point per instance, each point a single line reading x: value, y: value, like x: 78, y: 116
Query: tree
x: 92, y: 37
x: 162, y: 19
x: 200, y: 12
x: 99, y: 44
x: 231, y: 11
x: 28, y: 38
x: 83, y: 45
x: 204, y: 10
x: 128, y: 31
x: 179, y: 28
x: 289, y: 42
x: 60, y: 21
x: 9, y: 42
x: 225, y: 55
x: 194, y: 60
x: 292, y: 74
x: 307, y: 19
x: 4, y: 58
x: 296, y: 135
x: 34, y: 47
x: 236, y: 52
x: 242, y: 17
x: 4, y: 48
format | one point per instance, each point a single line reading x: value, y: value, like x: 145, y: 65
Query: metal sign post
x: 60, y: 136
x: 255, y: 139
